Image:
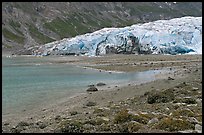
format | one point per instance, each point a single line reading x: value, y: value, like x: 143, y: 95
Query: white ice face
x: 175, y: 36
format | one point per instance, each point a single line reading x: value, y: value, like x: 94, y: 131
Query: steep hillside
x: 28, y: 24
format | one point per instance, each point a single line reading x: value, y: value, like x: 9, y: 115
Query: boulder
x: 91, y: 85
x: 198, y: 128
x: 90, y: 103
x: 41, y: 124
x: 152, y: 121
x: 92, y: 89
x: 100, y: 84
x: 22, y: 123
x: 73, y: 113
x: 169, y: 78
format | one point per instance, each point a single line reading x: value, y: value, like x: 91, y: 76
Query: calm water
x: 28, y: 82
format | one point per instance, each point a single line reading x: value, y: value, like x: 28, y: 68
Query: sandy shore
x: 182, y: 68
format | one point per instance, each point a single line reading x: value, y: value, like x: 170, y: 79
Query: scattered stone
x: 169, y: 78
x: 133, y: 127
x: 22, y: 123
x: 73, y: 113
x: 5, y: 124
x: 70, y: 127
x: 198, y: 128
x: 92, y: 89
x: 88, y: 127
x: 100, y: 84
x: 153, y: 121
x: 91, y: 103
x: 195, y: 89
x: 199, y: 101
x: 42, y: 125
x: 146, y: 93
x: 91, y: 85
x: 181, y: 85
x: 186, y: 131
x: 43, y: 109
x: 186, y: 100
x: 193, y: 120
x: 189, y: 101
x: 105, y: 118
x: 16, y: 130
x: 167, y: 109
x: 57, y: 117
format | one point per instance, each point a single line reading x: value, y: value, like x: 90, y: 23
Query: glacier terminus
x: 175, y: 36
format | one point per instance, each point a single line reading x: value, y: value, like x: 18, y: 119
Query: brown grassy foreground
x: 173, y: 103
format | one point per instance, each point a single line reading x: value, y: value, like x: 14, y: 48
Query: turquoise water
x: 28, y: 82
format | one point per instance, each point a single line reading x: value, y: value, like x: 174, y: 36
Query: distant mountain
x: 29, y: 24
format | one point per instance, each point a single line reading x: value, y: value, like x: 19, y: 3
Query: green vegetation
x: 7, y: 46
x: 38, y: 35
x: 26, y: 7
x: 134, y: 127
x: 96, y: 121
x: 171, y: 124
x: 182, y: 112
x: 185, y: 100
x: 70, y: 127
x: 16, y: 26
x: 60, y: 27
x: 9, y: 35
x: 123, y: 116
x: 90, y: 20
x: 74, y: 25
x: 71, y: 26
x: 161, y: 97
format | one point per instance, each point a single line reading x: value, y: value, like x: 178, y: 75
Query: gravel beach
x: 172, y: 103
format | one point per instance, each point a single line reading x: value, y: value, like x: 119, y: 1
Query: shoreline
x: 106, y: 88
x: 103, y: 97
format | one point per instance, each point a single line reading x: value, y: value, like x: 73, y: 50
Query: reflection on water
x: 29, y: 82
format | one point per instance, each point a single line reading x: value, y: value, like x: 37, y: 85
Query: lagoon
x: 30, y: 82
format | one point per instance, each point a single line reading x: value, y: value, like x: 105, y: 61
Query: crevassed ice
x: 175, y: 36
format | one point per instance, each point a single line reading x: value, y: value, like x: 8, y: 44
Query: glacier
x: 175, y: 36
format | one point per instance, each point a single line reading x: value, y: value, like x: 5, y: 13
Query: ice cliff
x: 175, y: 36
